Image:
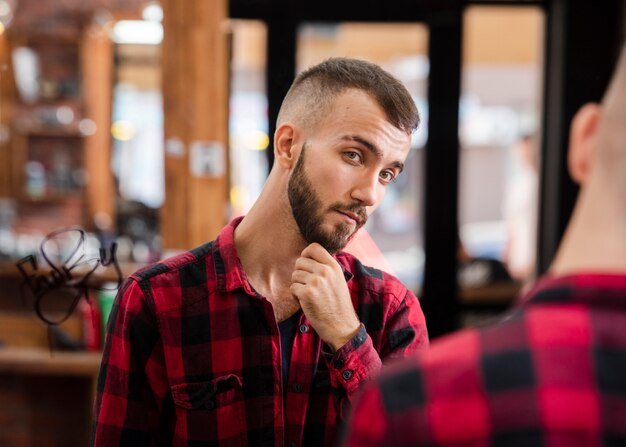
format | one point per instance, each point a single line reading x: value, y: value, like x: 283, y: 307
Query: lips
x: 352, y: 216
x: 355, y: 216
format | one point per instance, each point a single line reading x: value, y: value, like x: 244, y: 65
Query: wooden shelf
x: 103, y: 274
x: 74, y: 84
x: 67, y: 35
x: 498, y: 294
x: 42, y: 362
x: 49, y: 131
x: 52, y: 199
x: 40, y: 119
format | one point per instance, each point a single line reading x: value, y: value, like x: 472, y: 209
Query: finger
x: 300, y: 277
x: 307, y: 265
x: 318, y: 253
x: 298, y: 290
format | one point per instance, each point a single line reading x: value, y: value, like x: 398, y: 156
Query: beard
x: 308, y: 212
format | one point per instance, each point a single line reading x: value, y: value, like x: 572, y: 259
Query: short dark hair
x: 314, y: 89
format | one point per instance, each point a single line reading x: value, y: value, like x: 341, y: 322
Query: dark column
x: 582, y: 41
x: 281, y: 69
x: 441, y: 172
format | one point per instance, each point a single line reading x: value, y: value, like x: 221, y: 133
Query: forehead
x: 356, y: 113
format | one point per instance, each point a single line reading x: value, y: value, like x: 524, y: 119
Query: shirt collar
x: 596, y: 289
x: 228, y: 268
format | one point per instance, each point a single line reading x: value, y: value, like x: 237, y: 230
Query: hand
x: 319, y: 285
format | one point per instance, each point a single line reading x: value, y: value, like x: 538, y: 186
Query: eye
x: 352, y: 155
x: 387, y: 176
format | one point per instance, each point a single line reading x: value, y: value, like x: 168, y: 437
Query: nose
x: 366, y: 190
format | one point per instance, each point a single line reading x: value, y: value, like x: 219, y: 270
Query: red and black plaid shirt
x: 192, y: 356
x: 552, y: 374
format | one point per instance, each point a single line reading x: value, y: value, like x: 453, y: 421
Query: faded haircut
x: 612, y: 150
x: 314, y: 90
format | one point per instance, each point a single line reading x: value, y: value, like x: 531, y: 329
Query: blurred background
x: 149, y: 124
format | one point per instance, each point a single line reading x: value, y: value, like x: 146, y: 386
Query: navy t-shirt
x: 287, y: 331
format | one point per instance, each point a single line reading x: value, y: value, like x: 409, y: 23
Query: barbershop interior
x: 132, y: 130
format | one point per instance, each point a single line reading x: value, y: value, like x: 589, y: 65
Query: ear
x: 285, y: 152
x: 582, y: 141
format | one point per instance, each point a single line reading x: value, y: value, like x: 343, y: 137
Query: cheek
x: 334, y: 182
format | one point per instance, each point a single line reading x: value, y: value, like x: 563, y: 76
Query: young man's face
x: 351, y: 157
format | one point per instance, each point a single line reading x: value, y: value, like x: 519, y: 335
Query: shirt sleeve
x: 358, y: 361
x: 367, y: 425
x: 130, y: 386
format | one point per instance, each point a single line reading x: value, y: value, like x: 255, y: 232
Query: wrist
x: 340, y: 342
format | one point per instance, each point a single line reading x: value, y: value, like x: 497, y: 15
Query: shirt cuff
x: 354, y: 363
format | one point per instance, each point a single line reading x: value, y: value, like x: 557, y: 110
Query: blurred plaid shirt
x: 552, y: 374
x: 192, y: 356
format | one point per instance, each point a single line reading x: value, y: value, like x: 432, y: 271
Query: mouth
x: 352, y: 216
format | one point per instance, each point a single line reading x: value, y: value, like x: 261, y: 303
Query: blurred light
x: 6, y: 13
x: 255, y: 140
x: 103, y: 221
x: 27, y: 73
x: 138, y: 32
x: 5, y: 8
x: 258, y: 140
x: 238, y: 196
x: 103, y: 17
x: 486, y: 125
x: 123, y: 130
x: 152, y: 12
x: 412, y: 68
x: 5, y: 134
x: 87, y: 127
x: 65, y: 115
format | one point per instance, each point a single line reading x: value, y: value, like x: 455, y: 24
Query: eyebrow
x: 373, y: 149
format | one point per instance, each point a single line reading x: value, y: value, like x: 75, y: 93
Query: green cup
x: 106, y: 297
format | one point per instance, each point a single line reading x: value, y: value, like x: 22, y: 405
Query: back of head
x: 595, y: 239
x: 314, y: 90
x: 611, y: 149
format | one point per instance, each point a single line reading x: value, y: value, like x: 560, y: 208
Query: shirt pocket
x: 212, y: 410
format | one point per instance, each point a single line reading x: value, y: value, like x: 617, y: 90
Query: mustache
x: 355, y: 208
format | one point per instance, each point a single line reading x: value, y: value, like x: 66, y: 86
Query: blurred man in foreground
x: 554, y: 372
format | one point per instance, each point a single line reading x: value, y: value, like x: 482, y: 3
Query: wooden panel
x: 195, y: 96
x: 7, y: 94
x: 174, y: 209
x: 97, y: 60
x: 375, y: 42
x: 503, y: 35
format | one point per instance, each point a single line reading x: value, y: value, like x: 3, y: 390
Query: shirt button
x: 347, y: 374
x: 338, y: 363
x: 296, y: 388
x: 210, y: 404
x: 304, y: 328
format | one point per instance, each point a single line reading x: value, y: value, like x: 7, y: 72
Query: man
x: 554, y: 372
x: 519, y: 209
x: 263, y: 336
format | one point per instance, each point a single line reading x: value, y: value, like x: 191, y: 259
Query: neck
x: 268, y: 241
x: 595, y: 240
